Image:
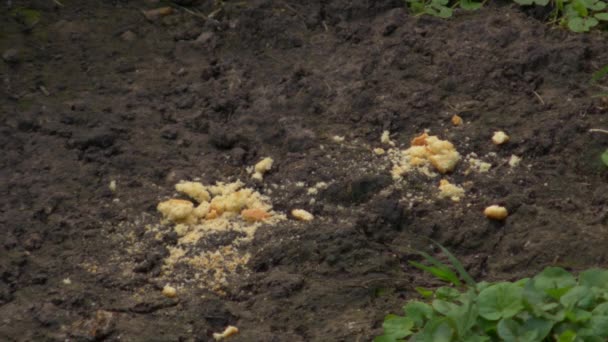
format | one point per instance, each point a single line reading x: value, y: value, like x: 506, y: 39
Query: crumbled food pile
x: 220, y: 209
x: 425, y: 151
x: 451, y: 191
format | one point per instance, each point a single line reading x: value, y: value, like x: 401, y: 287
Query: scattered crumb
x: 514, y: 160
x: 379, y: 151
x: 457, y: 120
x: 302, y: 215
x: 112, y: 186
x: 500, y: 138
x: 67, y: 281
x: 315, y: 189
x: 169, y: 291
x: 449, y: 190
x: 496, y: 212
x: 300, y: 184
x: 478, y: 165
x: 337, y: 138
x: 229, y: 331
x: 262, y: 167
x: 386, y: 139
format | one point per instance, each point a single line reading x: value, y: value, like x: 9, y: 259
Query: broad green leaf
x: 457, y: 265
x: 594, y: 5
x: 524, y: 2
x: 605, y: 157
x: 597, y: 327
x: 443, y: 307
x: 557, y: 293
x: 511, y: 331
x: 482, y: 285
x: 438, y: 330
x: 602, y: 17
x: 580, y: 296
x: 501, y: 300
x: 447, y: 293
x: 541, y: 2
x: 594, y: 277
x: 553, y: 278
x: 601, y: 310
x: 578, y: 315
x: 567, y: 336
x: 580, y: 8
x: 418, y: 312
x: 464, y: 316
x: 582, y: 24
x: 397, y: 327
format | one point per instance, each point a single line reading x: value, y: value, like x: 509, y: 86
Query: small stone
x: 11, y: 56
x: 128, y: 36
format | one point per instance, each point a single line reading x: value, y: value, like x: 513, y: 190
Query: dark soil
x: 95, y: 92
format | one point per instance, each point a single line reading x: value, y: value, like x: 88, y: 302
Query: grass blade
x: 464, y: 275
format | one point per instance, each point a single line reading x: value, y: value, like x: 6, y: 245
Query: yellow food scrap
x: 230, y: 330
x: 302, y: 215
x: 175, y: 210
x: 379, y: 151
x: 449, y: 190
x: 195, y: 190
x: 496, y: 212
x: 456, y: 120
x: 262, y: 167
x: 338, y: 138
x: 479, y: 165
x: 500, y: 138
x: 169, y: 291
x: 386, y: 139
x: 514, y: 160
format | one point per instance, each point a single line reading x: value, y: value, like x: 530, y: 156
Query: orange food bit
x: 420, y: 140
x: 456, y: 120
x: 254, y: 215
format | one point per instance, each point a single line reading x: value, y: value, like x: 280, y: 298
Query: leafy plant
x: 552, y: 306
x: 576, y: 15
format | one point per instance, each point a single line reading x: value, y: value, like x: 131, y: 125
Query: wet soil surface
x: 97, y: 93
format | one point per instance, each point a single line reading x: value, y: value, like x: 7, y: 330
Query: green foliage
x: 26, y: 16
x: 605, y: 157
x: 576, y: 15
x: 552, y: 306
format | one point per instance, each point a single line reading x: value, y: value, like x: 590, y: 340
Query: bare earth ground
x: 181, y: 98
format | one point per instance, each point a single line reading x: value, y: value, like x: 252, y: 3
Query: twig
x: 598, y: 130
x: 538, y: 97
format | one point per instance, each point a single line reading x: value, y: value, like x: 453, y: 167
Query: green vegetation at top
x: 552, y: 306
x: 576, y: 15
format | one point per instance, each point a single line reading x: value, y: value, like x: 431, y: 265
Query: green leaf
x: 438, y: 330
x: 602, y: 17
x: 524, y: 2
x: 501, y: 300
x: 582, y: 24
x: 541, y: 2
x: 440, y: 270
x: 457, y: 265
x: 579, y: 295
x: 597, y: 327
x: 533, y: 329
x: 580, y: 8
x: 601, y: 310
x: 26, y: 16
x: 594, y: 277
x: 447, y: 293
x: 605, y: 157
x: 418, y: 312
x: 578, y: 315
x: 557, y: 293
x: 567, y: 336
x: 443, y: 307
x: 553, y: 278
x: 426, y: 293
x: 470, y: 5
x: 397, y: 327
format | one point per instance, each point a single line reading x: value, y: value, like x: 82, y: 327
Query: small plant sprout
x: 604, y: 155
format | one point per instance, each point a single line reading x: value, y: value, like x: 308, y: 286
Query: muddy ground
x: 97, y: 93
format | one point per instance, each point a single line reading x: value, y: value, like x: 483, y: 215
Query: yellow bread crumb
x: 229, y: 331
x: 514, y: 160
x: 456, y: 120
x: 379, y: 151
x: 496, y: 212
x: 386, y: 139
x: 175, y: 210
x: 195, y: 190
x: 112, y: 186
x: 338, y: 138
x: 302, y: 215
x: 169, y: 291
x: 262, y: 167
x: 447, y: 189
x: 500, y: 138
x: 254, y: 215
